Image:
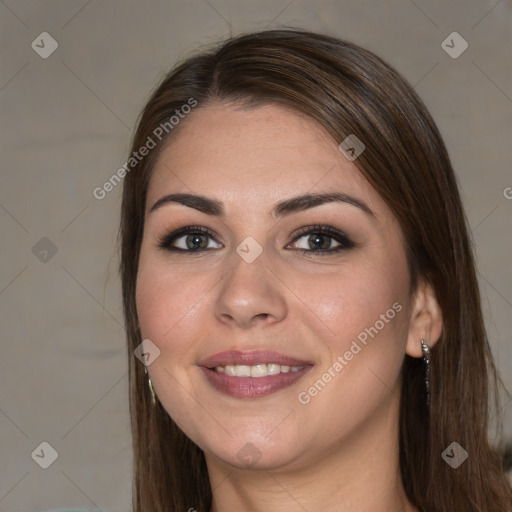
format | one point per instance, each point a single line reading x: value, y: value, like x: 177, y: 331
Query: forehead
x: 254, y: 156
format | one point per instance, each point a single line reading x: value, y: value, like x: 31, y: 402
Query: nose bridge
x: 249, y: 290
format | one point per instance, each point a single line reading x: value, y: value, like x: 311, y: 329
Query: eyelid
x: 318, y: 228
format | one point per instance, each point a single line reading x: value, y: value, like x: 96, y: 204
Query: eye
x: 318, y: 239
x: 189, y: 239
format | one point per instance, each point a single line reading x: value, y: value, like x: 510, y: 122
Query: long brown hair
x: 347, y: 90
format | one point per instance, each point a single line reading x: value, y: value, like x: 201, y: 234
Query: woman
x: 299, y: 283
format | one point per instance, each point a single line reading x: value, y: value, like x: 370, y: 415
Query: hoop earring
x: 153, y: 396
x: 426, y: 359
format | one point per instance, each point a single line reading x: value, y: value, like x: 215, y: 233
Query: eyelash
x: 165, y: 242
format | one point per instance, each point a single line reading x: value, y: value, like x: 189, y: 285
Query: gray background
x: 66, y: 123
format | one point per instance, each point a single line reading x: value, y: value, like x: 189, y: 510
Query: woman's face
x: 282, y: 326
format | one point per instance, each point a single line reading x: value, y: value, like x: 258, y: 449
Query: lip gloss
x: 252, y: 387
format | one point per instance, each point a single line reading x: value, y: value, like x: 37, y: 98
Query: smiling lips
x: 252, y: 374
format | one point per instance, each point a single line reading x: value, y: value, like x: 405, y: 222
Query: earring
x: 153, y: 396
x: 426, y: 359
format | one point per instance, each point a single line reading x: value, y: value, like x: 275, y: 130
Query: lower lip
x: 252, y: 387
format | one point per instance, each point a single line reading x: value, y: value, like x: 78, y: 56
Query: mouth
x: 252, y: 374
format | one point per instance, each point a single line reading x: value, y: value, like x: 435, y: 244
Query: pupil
x: 195, y: 241
x: 317, y: 242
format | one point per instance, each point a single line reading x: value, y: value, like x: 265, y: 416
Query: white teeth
x: 230, y: 370
x: 258, y: 370
x: 242, y: 370
x: 273, y: 369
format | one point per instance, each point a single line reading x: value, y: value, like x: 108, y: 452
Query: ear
x: 426, y: 321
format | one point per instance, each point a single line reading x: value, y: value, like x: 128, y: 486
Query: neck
x: 360, y: 474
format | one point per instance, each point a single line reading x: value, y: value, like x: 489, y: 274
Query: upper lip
x: 250, y: 358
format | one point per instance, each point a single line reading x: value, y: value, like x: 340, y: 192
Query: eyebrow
x: 295, y: 204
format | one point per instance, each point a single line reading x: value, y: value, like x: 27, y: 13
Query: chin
x: 248, y: 449
x: 249, y: 455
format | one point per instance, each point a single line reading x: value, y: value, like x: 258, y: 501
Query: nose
x: 250, y: 294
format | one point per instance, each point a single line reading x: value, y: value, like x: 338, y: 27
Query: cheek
x: 350, y: 302
x: 365, y: 354
x: 366, y: 311
x: 168, y: 305
x: 171, y: 314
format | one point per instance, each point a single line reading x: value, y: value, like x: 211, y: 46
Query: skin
x: 340, y: 450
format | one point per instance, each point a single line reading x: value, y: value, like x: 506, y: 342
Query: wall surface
x: 73, y: 78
